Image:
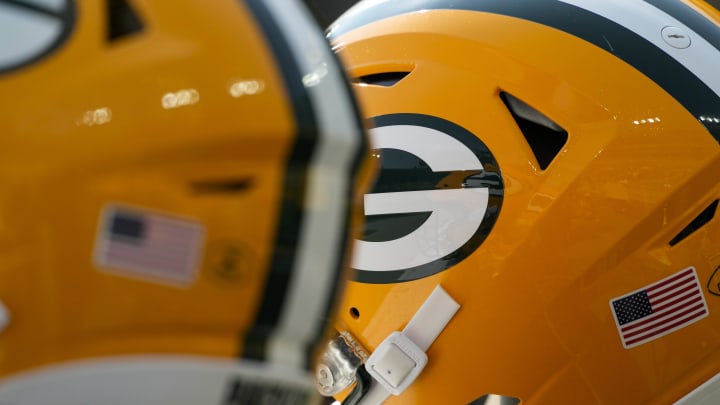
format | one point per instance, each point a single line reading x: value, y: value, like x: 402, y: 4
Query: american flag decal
x: 148, y: 245
x: 659, y: 309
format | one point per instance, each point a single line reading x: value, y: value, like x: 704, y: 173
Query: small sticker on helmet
x: 148, y: 245
x: 660, y: 308
x: 713, y: 284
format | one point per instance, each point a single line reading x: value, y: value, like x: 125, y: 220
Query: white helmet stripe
x: 630, y: 30
x: 693, y: 18
x: 647, y: 21
x: 329, y: 180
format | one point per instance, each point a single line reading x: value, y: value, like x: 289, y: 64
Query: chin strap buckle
x: 395, y: 363
x: 399, y: 359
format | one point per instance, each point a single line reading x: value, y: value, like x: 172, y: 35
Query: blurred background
x: 326, y: 11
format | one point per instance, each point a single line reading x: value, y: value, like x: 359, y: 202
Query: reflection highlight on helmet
x: 651, y: 120
x: 241, y: 88
x: 98, y: 116
x: 180, y: 98
x: 315, y: 77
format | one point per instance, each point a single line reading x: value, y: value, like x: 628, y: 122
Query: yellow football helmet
x: 544, y: 227
x: 178, y: 186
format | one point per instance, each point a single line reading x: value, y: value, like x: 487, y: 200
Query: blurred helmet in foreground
x: 177, y: 183
x: 544, y: 227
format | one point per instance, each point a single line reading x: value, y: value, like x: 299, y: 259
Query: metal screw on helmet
x: 337, y: 367
x: 324, y: 376
x: 675, y: 37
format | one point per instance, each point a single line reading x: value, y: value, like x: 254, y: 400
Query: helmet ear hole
x: 545, y: 137
x: 354, y: 313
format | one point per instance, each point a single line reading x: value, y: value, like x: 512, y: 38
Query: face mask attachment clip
x: 338, y: 366
x: 395, y: 363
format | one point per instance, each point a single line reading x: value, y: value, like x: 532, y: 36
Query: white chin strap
x: 399, y: 359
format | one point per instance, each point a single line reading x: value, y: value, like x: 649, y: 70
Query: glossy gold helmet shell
x: 553, y: 166
x: 177, y: 190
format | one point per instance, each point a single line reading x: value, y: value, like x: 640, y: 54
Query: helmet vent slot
x: 122, y: 20
x: 222, y: 186
x: 697, y: 223
x: 387, y: 79
x: 545, y: 137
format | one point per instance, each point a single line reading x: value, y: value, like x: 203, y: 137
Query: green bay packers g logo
x: 437, y: 197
